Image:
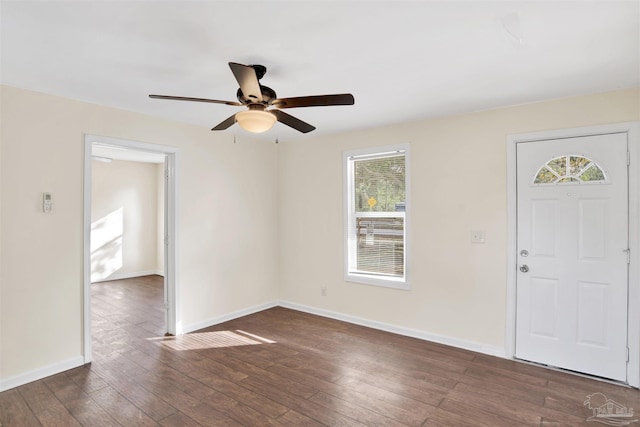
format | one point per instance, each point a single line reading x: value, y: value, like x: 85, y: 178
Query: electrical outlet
x: 323, y: 290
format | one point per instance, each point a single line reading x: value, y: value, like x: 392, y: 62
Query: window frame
x: 349, y: 213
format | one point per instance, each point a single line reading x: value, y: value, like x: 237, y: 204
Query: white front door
x: 571, y: 298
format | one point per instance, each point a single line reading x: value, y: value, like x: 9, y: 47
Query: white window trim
x: 390, y: 282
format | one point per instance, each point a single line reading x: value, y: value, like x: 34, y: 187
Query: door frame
x: 632, y: 129
x: 173, y: 316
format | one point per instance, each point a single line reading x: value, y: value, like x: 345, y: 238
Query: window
x: 569, y: 169
x: 376, y: 216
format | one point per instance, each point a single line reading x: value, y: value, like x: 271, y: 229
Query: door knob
x: 524, y: 268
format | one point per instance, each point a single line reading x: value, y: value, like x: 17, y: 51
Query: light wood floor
x: 280, y: 367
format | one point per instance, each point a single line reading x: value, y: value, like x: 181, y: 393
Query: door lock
x: 524, y: 268
x: 524, y: 253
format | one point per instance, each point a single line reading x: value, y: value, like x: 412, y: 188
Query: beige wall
x: 458, y: 184
x: 260, y: 222
x: 227, y: 208
x: 125, y: 219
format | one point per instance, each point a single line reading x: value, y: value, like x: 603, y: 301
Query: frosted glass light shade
x: 255, y: 121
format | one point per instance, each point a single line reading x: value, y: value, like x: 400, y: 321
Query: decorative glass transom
x: 571, y: 168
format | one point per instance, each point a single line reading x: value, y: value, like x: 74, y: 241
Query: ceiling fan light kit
x: 255, y: 121
x: 257, y: 98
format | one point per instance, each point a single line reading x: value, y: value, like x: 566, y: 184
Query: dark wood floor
x: 285, y: 368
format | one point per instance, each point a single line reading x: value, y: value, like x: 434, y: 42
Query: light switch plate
x: 477, y: 236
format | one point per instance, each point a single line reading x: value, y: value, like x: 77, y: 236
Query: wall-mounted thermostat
x: 47, y: 202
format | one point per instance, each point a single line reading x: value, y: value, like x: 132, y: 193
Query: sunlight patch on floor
x: 216, y: 339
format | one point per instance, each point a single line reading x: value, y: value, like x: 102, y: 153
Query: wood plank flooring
x: 281, y: 367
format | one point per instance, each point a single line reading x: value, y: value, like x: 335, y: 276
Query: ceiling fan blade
x: 185, y: 98
x: 291, y: 121
x: 226, y: 123
x: 248, y: 81
x: 315, y: 101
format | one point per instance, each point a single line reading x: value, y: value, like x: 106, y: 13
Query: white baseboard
x: 225, y: 318
x: 122, y: 276
x: 37, y: 374
x: 400, y: 330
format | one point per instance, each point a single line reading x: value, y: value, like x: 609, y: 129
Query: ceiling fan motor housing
x: 268, y: 96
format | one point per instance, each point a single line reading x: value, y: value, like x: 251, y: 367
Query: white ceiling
x: 402, y: 60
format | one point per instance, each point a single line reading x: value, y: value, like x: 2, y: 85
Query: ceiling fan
x: 264, y: 107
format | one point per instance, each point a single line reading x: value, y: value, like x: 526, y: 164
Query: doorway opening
x: 104, y: 236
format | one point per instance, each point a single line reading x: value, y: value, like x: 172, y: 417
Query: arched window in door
x: 571, y: 168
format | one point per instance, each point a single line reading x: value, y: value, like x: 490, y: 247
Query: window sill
x: 366, y: 279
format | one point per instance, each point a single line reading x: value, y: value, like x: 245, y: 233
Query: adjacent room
x: 287, y: 213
